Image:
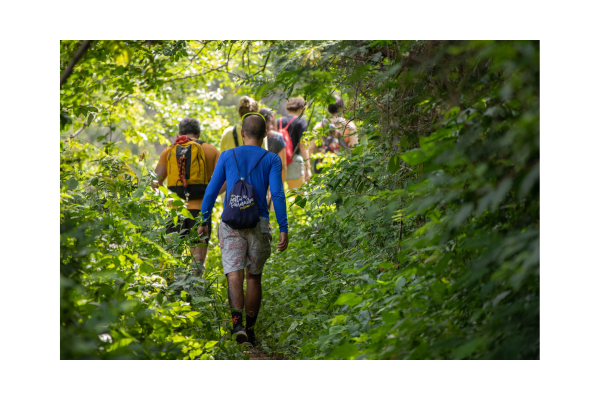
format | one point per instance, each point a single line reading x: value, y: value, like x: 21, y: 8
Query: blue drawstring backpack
x: 241, y: 208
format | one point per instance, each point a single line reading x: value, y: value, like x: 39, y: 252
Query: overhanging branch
x: 195, y: 75
x: 80, y: 52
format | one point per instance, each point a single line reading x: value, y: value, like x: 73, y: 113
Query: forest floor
x: 257, y: 354
x: 260, y: 354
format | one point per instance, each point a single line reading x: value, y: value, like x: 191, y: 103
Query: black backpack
x: 241, y: 208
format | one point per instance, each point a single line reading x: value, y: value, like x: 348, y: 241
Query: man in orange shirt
x: 190, y: 127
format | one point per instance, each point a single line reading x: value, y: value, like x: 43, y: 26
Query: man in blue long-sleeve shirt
x: 247, y: 248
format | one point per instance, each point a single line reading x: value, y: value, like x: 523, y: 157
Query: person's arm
x: 350, y: 133
x: 312, y: 149
x: 279, y: 204
x: 161, y: 171
x: 352, y: 140
x: 283, y: 158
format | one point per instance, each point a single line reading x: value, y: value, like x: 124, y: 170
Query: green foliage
x: 423, y: 242
x: 139, y: 90
x: 126, y: 289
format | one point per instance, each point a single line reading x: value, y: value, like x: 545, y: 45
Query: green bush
x: 423, y: 242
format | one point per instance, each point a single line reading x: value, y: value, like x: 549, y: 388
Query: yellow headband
x: 245, y: 115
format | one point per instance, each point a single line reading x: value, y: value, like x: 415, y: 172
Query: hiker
x: 292, y: 127
x: 332, y: 142
x: 275, y: 142
x: 232, y: 136
x: 188, y: 165
x: 276, y: 145
x: 244, y: 231
x: 336, y: 112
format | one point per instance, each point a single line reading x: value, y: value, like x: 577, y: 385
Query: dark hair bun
x: 335, y: 107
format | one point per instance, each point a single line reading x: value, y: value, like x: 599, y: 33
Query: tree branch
x: 198, y: 53
x: 195, y: 75
x: 228, y: 54
x: 264, y: 65
x: 82, y: 49
x: 226, y: 66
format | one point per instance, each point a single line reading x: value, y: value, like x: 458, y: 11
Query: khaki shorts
x: 245, y: 247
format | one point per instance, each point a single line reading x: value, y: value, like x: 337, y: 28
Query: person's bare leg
x: 253, y: 300
x: 235, y: 292
x: 199, y: 259
x: 253, y: 294
x: 235, y: 289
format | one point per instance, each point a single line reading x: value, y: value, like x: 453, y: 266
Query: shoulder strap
x: 236, y: 165
x: 235, y: 139
x: 168, y: 160
x: 292, y: 120
x: 200, y: 143
x: 264, y: 154
x: 170, y: 151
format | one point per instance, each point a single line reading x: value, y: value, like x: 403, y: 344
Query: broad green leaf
x: 414, y: 157
x: 164, y: 190
x: 394, y: 164
x: 400, y: 284
x: 500, y: 297
x: 350, y: 299
x: 292, y: 326
x: 358, y: 150
x: 336, y: 329
x: 210, y: 344
x: 185, y: 212
x: 300, y: 202
x: 72, y: 184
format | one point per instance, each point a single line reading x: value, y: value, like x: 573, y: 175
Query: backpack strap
x: 200, y: 143
x: 288, y: 125
x: 235, y: 139
x: 169, y: 155
x: 238, y: 169
x: 236, y: 164
x: 264, y: 154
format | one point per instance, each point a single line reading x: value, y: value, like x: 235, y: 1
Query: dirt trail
x: 259, y: 354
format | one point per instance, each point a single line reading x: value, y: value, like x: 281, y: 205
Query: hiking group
x: 255, y: 157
